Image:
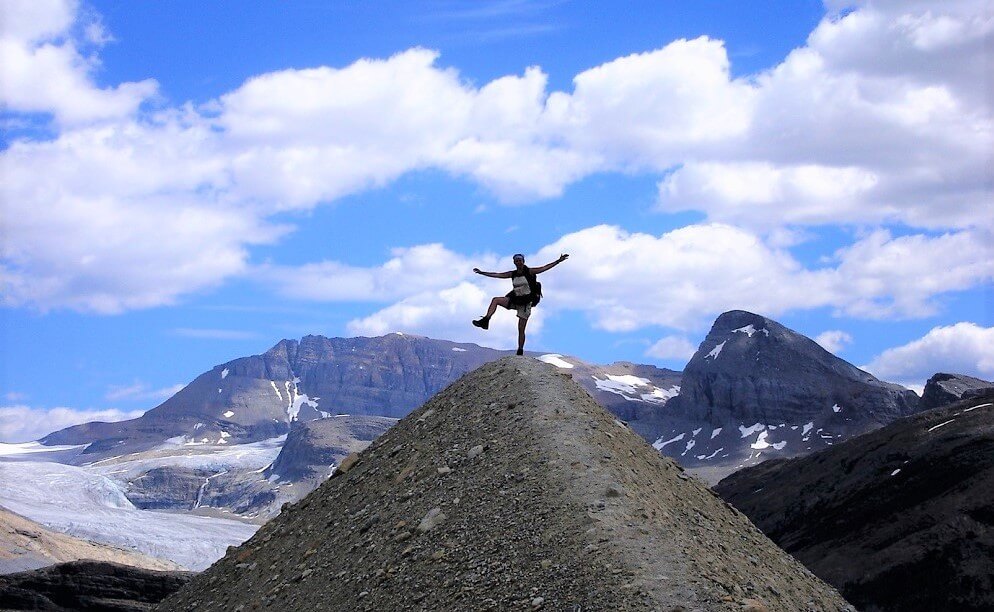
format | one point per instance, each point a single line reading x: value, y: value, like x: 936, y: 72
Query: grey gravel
x: 533, y: 523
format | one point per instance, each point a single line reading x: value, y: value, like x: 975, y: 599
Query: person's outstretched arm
x: 547, y: 266
x: 493, y: 274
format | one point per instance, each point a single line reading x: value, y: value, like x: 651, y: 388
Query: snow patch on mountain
x: 659, y: 444
x: 555, y: 359
x: 716, y: 350
x: 749, y: 330
x: 748, y: 431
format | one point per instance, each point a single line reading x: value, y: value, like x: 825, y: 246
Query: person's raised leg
x: 484, y: 321
x: 522, y: 323
x: 494, y: 303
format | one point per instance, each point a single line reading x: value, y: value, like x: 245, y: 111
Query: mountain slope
x: 757, y: 389
x: 511, y: 489
x: 901, y: 518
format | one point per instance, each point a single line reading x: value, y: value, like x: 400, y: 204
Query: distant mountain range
x: 256, y: 432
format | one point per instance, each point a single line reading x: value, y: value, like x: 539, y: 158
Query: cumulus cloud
x: 409, y: 271
x: 43, y: 70
x: 672, y: 347
x: 883, y: 116
x: 833, y: 341
x: 963, y: 348
x: 447, y: 314
x: 23, y: 423
x: 625, y: 281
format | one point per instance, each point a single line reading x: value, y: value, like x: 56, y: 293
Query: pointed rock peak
x: 511, y: 489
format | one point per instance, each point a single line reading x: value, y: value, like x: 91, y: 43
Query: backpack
x: 534, y: 286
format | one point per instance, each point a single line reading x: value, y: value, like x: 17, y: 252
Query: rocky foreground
x: 88, y: 586
x: 899, y: 519
x: 511, y: 489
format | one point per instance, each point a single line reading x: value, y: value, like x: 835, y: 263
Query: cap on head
x: 518, y: 256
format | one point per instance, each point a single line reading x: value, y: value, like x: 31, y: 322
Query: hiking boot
x: 520, y: 352
x: 482, y: 323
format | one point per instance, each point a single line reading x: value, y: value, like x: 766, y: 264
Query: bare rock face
x: 756, y: 389
x: 88, y: 585
x: 942, y: 389
x: 314, y: 448
x: 511, y: 489
x: 901, y: 518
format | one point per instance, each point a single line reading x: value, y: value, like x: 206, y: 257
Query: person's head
x: 519, y: 260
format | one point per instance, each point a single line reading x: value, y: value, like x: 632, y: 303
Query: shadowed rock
x: 898, y: 519
x: 90, y: 586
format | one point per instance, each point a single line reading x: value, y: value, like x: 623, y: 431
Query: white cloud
x: 882, y: 117
x: 833, y: 341
x: 882, y: 276
x: 672, y: 347
x: 448, y: 314
x: 409, y: 271
x: 42, y: 70
x: 963, y: 348
x: 139, y: 391
x: 625, y: 281
x: 23, y: 423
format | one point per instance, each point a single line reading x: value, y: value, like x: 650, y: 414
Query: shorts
x: 521, y: 303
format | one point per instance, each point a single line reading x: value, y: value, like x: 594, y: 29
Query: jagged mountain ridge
x: 511, y: 489
x: 898, y: 519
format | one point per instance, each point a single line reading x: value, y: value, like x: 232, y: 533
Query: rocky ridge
x: 898, y: 519
x: 942, y: 389
x: 512, y: 489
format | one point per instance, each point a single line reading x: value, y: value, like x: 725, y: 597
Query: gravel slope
x: 511, y: 489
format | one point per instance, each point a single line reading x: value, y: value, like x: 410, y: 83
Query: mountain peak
x: 510, y: 489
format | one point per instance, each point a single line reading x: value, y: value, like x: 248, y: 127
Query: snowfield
x: 88, y: 505
x: 177, y: 453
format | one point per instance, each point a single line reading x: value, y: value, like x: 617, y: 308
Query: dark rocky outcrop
x: 512, y: 489
x: 757, y: 389
x: 942, y: 389
x: 88, y: 586
x: 898, y: 519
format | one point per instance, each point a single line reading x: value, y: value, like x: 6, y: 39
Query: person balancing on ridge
x: 526, y: 293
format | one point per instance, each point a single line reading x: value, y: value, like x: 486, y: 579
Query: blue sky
x: 185, y: 183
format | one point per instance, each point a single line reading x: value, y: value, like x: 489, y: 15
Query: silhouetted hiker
x: 526, y: 293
